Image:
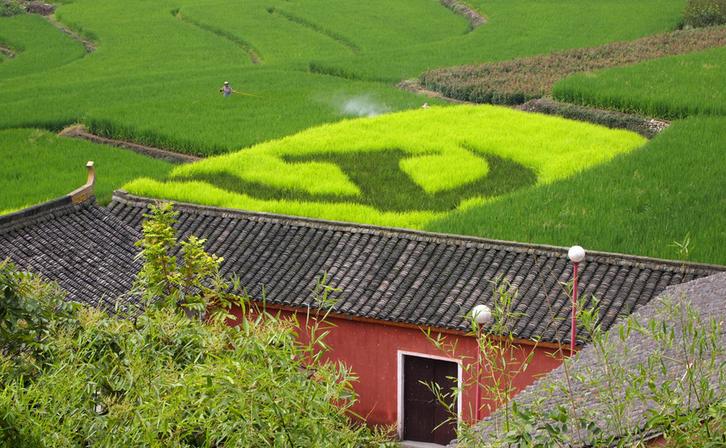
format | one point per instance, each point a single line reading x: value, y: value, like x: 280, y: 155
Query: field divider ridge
x: 80, y: 131
x: 252, y: 52
x: 473, y: 16
x: 88, y: 44
x: 339, y: 38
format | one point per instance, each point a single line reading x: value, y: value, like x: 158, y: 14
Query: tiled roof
x: 83, y: 247
x: 586, y: 376
x: 413, y: 277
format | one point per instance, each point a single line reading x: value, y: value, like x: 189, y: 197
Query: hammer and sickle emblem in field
x: 382, y: 183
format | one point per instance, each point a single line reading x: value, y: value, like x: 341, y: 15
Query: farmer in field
x: 226, y: 89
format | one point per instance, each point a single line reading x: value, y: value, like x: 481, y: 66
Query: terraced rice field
x: 644, y: 202
x: 149, y: 72
x: 404, y: 169
x: 674, y: 87
x: 38, y: 166
x: 157, y: 67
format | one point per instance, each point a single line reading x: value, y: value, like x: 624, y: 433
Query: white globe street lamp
x: 481, y: 314
x: 576, y: 254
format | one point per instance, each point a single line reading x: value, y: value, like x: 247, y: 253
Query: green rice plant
x: 520, y: 80
x: 38, y: 47
x: 672, y: 87
x: 38, y: 166
x: 638, y: 203
x: 398, y: 169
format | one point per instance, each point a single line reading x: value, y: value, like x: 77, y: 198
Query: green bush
x: 10, y: 8
x: 164, y: 378
x: 705, y: 13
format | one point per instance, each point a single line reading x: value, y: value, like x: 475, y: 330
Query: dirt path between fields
x: 87, y: 44
x: 79, y: 131
x: 647, y: 127
x: 7, y: 52
x: 475, y: 19
x: 413, y: 86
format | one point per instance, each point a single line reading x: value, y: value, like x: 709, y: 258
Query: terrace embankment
x: 520, y: 80
x: 647, y: 127
x: 337, y: 37
x: 79, y: 131
x: 89, y: 45
x: 475, y: 19
x: 7, y: 51
x: 248, y: 48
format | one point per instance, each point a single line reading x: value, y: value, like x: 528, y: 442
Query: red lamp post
x: 576, y: 254
x: 482, y: 315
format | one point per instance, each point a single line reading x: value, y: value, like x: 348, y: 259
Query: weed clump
x: 700, y: 13
x: 10, y: 8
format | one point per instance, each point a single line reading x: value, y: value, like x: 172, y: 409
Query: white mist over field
x: 363, y: 106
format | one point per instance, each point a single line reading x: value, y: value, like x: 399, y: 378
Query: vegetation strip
x: 7, y: 51
x: 647, y: 127
x: 475, y: 19
x: 79, y: 131
x: 87, y: 44
x: 519, y: 80
x: 315, y: 27
x: 253, y: 54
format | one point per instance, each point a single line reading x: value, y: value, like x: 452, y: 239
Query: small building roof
x: 82, y: 246
x: 413, y: 277
x: 706, y: 296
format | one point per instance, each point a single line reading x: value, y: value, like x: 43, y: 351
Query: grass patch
x: 520, y: 80
x: 38, y: 166
x: 391, y: 169
x: 671, y: 87
x: 639, y: 203
x: 38, y: 45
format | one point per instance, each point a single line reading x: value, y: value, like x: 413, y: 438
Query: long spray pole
x: 573, y: 330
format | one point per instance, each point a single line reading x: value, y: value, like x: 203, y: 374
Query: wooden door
x: 423, y: 415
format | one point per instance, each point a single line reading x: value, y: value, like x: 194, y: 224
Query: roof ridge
x: 122, y: 196
x: 35, y: 213
x: 80, y: 196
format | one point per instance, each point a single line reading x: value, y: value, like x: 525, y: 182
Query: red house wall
x: 371, y: 349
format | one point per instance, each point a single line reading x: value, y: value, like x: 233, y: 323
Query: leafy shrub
x: 10, y: 8
x: 520, y: 80
x: 162, y: 378
x: 705, y: 13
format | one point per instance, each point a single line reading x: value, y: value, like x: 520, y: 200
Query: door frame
x: 399, y: 384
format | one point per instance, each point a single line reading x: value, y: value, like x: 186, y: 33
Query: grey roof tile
x: 707, y: 296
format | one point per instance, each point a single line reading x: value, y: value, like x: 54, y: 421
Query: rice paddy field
x: 47, y: 166
x: 673, y: 87
x: 672, y: 190
x: 157, y: 67
x: 321, y: 129
x: 404, y: 169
